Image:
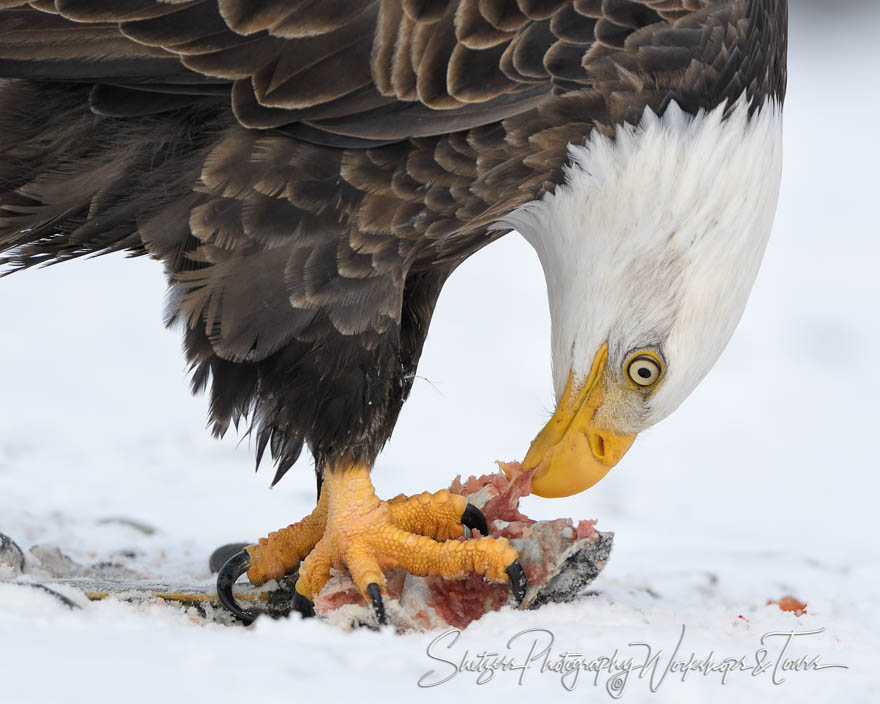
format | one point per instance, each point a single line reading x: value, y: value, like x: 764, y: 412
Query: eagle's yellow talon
x: 282, y: 551
x: 303, y: 590
x: 364, y: 535
x: 436, y: 516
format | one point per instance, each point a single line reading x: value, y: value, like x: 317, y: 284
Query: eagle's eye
x: 644, y: 370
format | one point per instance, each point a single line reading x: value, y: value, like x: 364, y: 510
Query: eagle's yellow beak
x: 570, y: 453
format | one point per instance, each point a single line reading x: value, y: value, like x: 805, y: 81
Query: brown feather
x: 310, y: 172
x: 474, y: 30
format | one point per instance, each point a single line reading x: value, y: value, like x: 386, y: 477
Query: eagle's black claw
x: 232, y: 569
x: 223, y: 553
x: 302, y: 605
x: 375, y: 594
x: 474, y: 519
x: 518, y: 581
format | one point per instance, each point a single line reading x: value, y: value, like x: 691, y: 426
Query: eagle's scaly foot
x: 361, y: 534
x: 271, y: 558
x: 440, y: 516
x: 281, y: 552
x: 366, y: 535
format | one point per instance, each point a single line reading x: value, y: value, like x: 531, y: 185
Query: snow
x: 761, y: 485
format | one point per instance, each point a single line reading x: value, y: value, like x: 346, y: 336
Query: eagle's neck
x: 656, y: 237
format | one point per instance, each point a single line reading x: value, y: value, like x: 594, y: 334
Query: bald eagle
x: 311, y: 173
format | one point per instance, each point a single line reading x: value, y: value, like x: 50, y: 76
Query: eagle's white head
x: 650, y: 249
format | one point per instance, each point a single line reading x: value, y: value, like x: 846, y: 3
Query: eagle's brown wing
x: 378, y: 70
x: 308, y: 230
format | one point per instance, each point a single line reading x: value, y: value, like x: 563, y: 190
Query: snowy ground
x: 761, y: 485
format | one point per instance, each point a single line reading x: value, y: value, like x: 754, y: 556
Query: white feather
x: 655, y: 240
